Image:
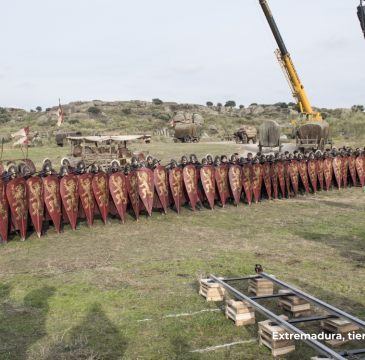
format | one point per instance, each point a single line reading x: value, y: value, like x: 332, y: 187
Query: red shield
x: 176, y: 185
x: 36, y: 202
x: 274, y: 178
x: 352, y: 168
x: 208, y: 181
x: 328, y: 172
x: 52, y: 199
x: 294, y: 175
x: 69, y: 189
x: 281, y: 176
x: 87, y: 196
x: 4, y: 212
x: 256, y: 180
x: 235, y: 180
x: 287, y: 177
x: 30, y: 163
x: 17, y: 194
x: 101, y: 193
x: 304, y: 174
x: 320, y: 172
x: 267, y: 178
x: 221, y: 178
x: 191, y: 183
x: 118, y: 190
x: 146, y: 187
x: 360, y: 169
x: 345, y: 169
x: 312, y: 173
x: 132, y: 187
x: 247, y: 175
x: 337, y: 168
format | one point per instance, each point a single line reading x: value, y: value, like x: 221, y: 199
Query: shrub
x: 38, y: 108
x: 291, y: 104
x: 48, y: 109
x: 31, y: 110
x: 230, y: 103
x: 357, y: 108
x: 296, y: 107
x: 209, y: 104
x: 242, y: 106
x: 253, y: 104
x: 282, y: 105
x: 219, y: 104
x: 324, y: 116
x: 75, y: 121
x: 157, y: 101
x: 127, y: 111
x: 94, y: 110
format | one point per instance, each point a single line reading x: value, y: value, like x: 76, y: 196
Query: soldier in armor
x: 194, y: 160
x: 150, y: 162
x: 112, y: 209
x: 209, y: 159
x: 183, y: 162
x: 134, y: 163
x: 114, y: 167
x: 26, y: 172
x: 249, y: 158
x: 224, y: 159
x: 66, y: 162
x: 155, y: 163
x: 80, y: 170
x: 286, y: 154
x: 233, y: 160
x: 127, y: 170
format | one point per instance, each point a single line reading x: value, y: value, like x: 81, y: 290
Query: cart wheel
x: 244, y: 139
x: 187, y: 138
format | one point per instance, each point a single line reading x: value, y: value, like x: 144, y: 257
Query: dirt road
x: 243, y: 149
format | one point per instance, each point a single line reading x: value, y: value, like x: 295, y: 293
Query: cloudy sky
x: 183, y: 51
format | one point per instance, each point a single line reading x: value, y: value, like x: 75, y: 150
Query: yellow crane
x: 291, y: 75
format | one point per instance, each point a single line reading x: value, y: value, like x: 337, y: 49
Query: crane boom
x: 288, y: 68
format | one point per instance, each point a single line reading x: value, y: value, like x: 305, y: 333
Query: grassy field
x: 81, y: 295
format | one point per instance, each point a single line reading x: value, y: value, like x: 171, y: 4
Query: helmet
x: 209, y: 157
x: 233, y: 157
x: 291, y: 156
x: 282, y: 157
x: 134, y: 160
x: 127, y: 168
x: 184, y: 159
x: 12, y: 171
x: 47, y: 160
x: 277, y: 155
x: 311, y: 156
x: 300, y: 156
x: 173, y: 163
x: 95, y: 166
x: 65, y: 161
x: 350, y: 151
x: 217, y: 160
x: 80, y: 166
x: 256, y: 160
x: 193, y: 156
x: 47, y: 167
x: 204, y: 161
x: 149, y: 158
x: 26, y: 170
x: 155, y: 161
x: 242, y: 160
x: 271, y: 158
x: 115, y: 164
x: 318, y: 154
x: 142, y: 164
x: 63, y: 170
x: 19, y: 167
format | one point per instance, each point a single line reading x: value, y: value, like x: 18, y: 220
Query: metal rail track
x: 289, y: 325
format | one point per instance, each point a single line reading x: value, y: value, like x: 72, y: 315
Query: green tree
x: 31, y: 110
x: 127, y: 111
x: 157, y: 101
x: 230, y: 103
x: 209, y: 104
x: 94, y: 110
x: 283, y: 105
x: 219, y: 104
x: 291, y: 104
x: 48, y: 109
x: 253, y: 104
x: 324, y: 116
x: 4, y: 116
x: 38, y: 108
x: 357, y: 108
x: 296, y: 107
x: 242, y: 106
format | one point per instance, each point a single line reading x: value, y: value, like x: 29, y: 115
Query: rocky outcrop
x: 79, y: 116
x: 293, y: 112
x: 198, y: 119
x: 213, y: 129
x: 42, y: 119
x: 179, y: 117
x: 258, y: 110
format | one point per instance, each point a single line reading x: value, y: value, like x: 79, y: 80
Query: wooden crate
x: 341, y: 327
x: 211, y: 290
x: 260, y: 286
x: 266, y: 337
x: 241, y: 312
x: 296, y: 305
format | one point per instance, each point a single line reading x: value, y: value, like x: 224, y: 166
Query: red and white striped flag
x: 25, y: 136
x: 60, y: 114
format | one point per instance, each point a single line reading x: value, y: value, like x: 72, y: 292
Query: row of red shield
x: 65, y: 195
